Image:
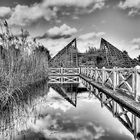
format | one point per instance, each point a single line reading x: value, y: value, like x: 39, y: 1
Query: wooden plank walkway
x: 122, y: 99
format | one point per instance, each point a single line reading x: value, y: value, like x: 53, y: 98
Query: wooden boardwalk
x: 121, y: 98
x: 118, y: 89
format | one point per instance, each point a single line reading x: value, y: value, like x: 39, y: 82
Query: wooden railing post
x: 61, y: 70
x: 86, y: 71
x: 115, y: 83
x: 96, y: 74
x: 103, y: 75
x: 137, y: 83
x: 79, y: 70
x: 83, y: 70
x: 103, y: 80
x: 91, y: 73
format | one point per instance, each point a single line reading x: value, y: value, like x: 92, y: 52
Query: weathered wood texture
x: 67, y: 57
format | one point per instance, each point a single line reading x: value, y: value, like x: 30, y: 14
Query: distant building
x: 107, y: 56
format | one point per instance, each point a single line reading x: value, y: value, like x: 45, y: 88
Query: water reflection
x: 65, y: 112
x: 68, y: 91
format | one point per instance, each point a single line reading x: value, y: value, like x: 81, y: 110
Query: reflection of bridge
x: 117, y: 88
x: 67, y: 91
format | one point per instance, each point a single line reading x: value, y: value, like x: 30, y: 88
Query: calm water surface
x: 56, y: 118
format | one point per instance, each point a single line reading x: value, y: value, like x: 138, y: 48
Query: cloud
x: 91, y: 39
x: 55, y: 101
x: 55, y: 45
x: 5, y: 11
x: 56, y: 127
x: 23, y: 15
x: 87, y: 40
x: 96, y: 4
x: 132, y: 5
x: 92, y: 35
x: 136, y: 43
x: 64, y: 31
x: 75, y: 7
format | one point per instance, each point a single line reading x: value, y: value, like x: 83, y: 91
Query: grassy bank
x: 22, y: 62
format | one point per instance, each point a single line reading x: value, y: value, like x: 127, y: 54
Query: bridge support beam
x: 136, y: 127
x: 103, y: 99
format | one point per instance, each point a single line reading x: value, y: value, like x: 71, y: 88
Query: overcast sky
x: 56, y: 22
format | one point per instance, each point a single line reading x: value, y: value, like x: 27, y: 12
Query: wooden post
x: 103, y: 99
x: 91, y: 73
x: 61, y: 70
x: 137, y: 84
x: 83, y: 70
x: 115, y: 81
x: 96, y: 74
x: 86, y: 72
x: 136, y: 127
x: 103, y: 75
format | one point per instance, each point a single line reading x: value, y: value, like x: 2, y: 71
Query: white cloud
x: 87, y: 40
x: 133, y: 47
x: 136, y: 45
x: 83, y: 42
x: 58, y: 128
x: 91, y: 35
x: 55, y: 101
x: 23, y: 15
x: 75, y: 3
x: 63, y: 30
x: 5, y: 11
x: 132, y: 5
x: 136, y: 41
x: 55, y: 45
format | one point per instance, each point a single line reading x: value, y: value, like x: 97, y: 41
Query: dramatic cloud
x: 5, y: 11
x: 23, y: 15
x: 132, y: 5
x: 64, y: 31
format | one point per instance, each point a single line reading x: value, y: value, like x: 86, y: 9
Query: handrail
x: 126, y: 80
x: 123, y: 79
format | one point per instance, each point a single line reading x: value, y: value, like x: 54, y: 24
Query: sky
x: 56, y: 22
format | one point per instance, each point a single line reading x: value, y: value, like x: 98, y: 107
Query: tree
x: 138, y: 58
x: 125, y: 52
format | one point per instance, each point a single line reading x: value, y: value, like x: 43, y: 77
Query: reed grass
x: 22, y: 62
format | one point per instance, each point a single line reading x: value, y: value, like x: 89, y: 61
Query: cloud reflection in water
x: 57, y: 119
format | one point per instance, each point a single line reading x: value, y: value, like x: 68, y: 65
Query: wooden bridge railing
x: 125, y: 80
x: 64, y: 71
x: 64, y: 75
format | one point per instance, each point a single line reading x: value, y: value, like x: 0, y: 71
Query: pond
x: 67, y: 112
